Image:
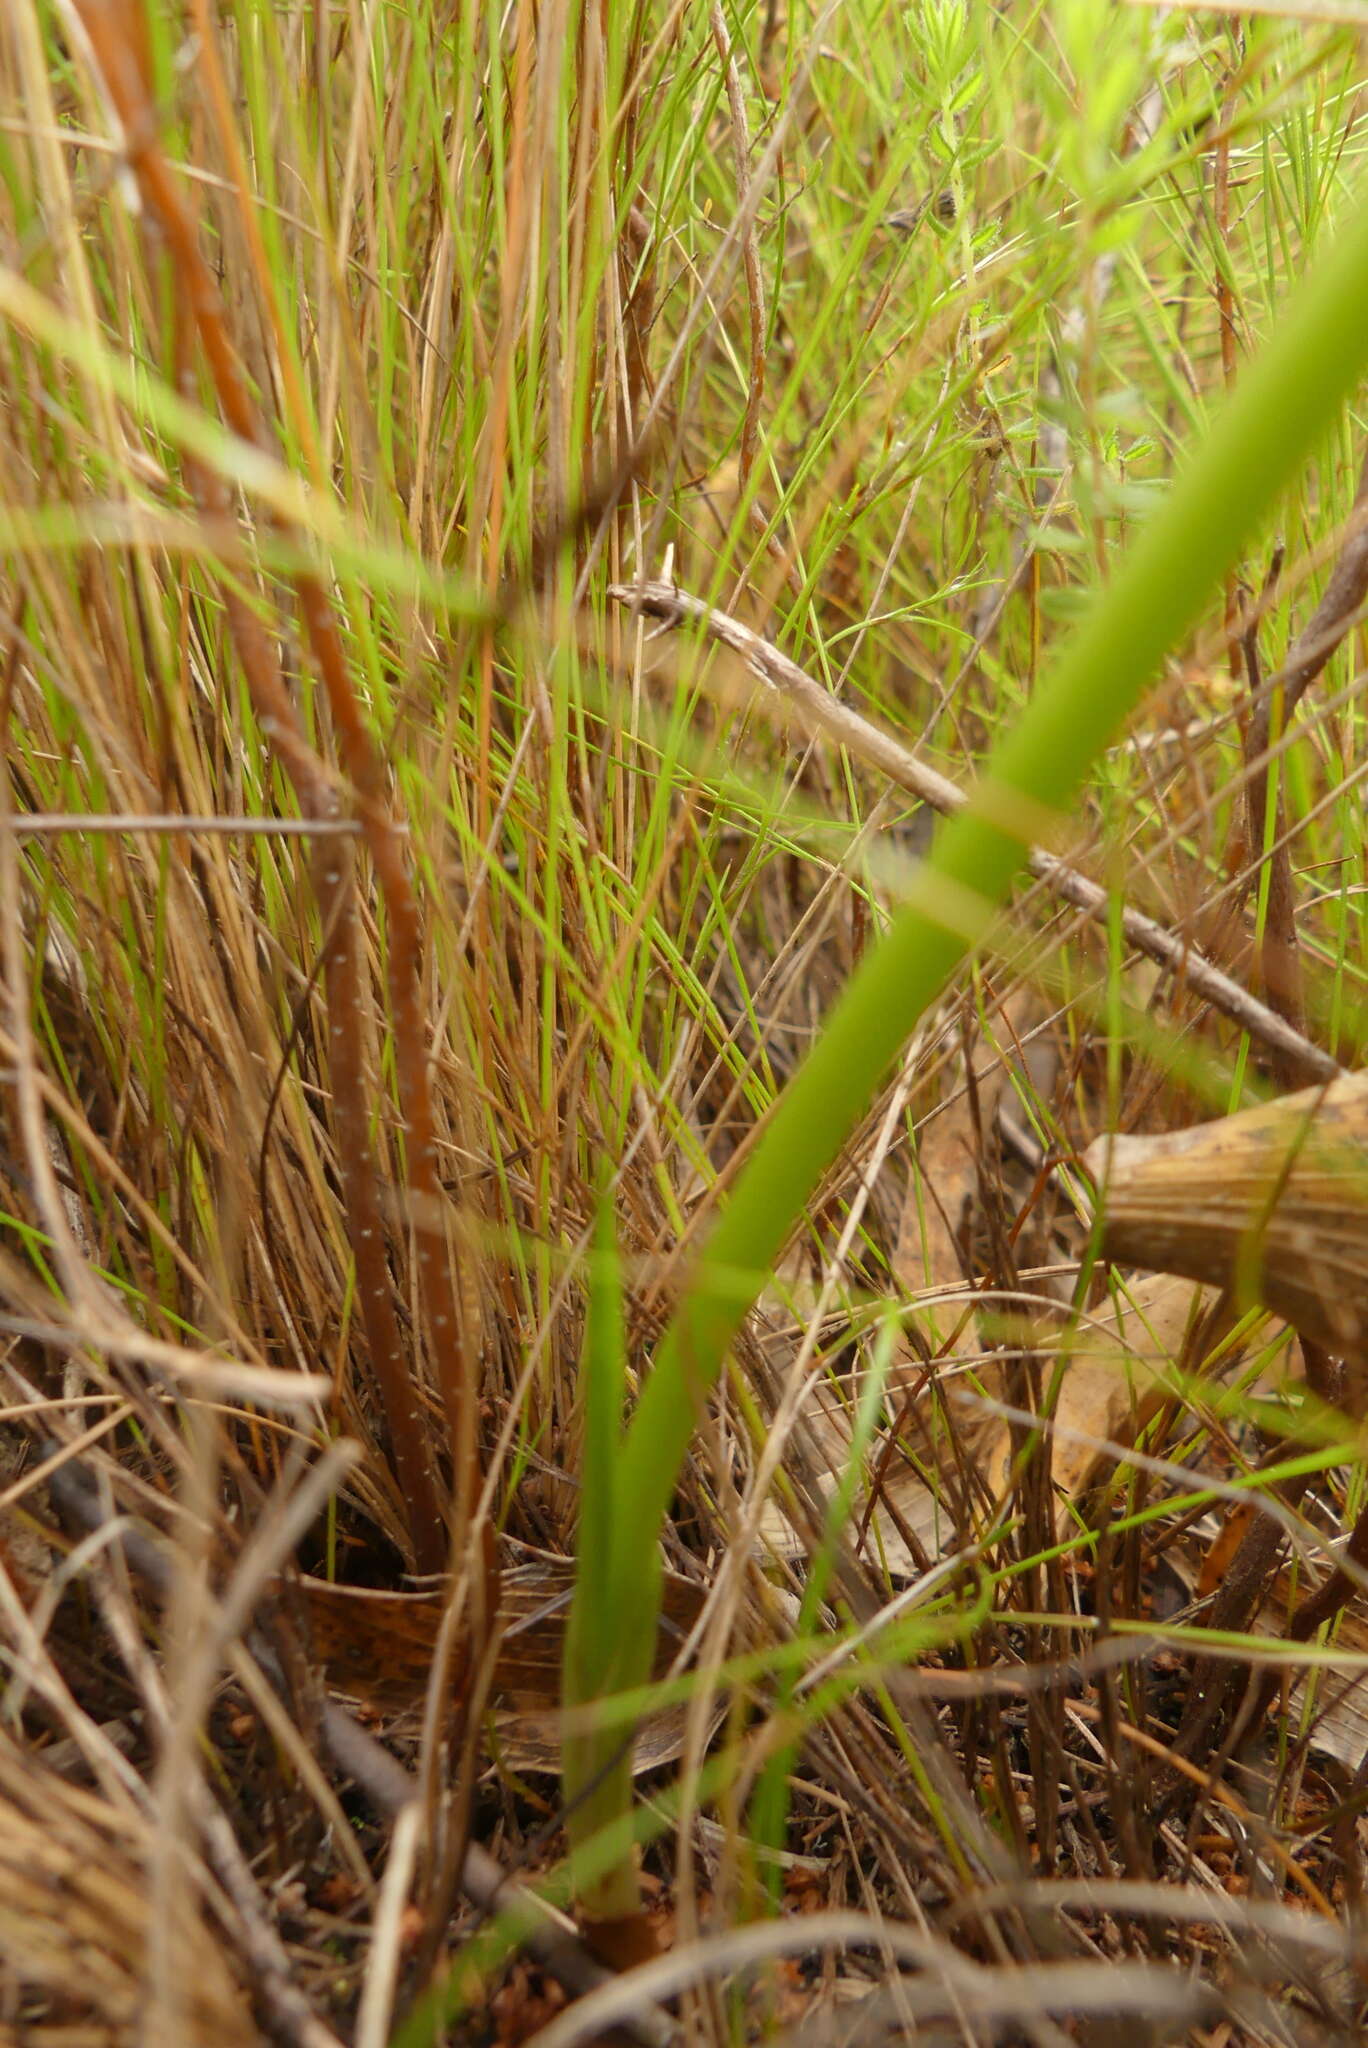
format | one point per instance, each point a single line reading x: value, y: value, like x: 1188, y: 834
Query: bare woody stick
x: 1277, y: 700
x: 821, y: 712
x: 1344, y: 596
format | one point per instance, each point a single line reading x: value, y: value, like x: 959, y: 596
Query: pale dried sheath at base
x: 1272, y: 1203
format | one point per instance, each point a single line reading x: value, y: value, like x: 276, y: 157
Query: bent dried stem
x: 1274, y: 704
x: 821, y: 712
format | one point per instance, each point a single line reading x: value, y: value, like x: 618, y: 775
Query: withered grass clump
x: 511, y: 521
x: 76, y: 1940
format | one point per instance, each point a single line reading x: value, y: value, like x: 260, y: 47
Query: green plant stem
x: 1288, y: 397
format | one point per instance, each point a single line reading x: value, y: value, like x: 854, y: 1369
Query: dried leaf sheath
x: 1272, y: 1203
x: 380, y: 1645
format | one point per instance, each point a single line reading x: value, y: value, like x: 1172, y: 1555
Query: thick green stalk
x: 1289, y: 396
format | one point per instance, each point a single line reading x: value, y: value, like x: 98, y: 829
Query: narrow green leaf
x: 1288, y: 397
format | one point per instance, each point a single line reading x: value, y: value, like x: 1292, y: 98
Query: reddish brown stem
x: 452, y: 1355
x: 335, y: 884
x: 116, y: 33
x: 750, y: 246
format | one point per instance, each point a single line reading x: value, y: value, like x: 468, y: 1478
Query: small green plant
x: 1287, y: 399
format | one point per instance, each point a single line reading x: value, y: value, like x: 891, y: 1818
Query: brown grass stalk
x: 114, y: 33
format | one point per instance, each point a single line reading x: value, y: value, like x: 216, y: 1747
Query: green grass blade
x: 596, y: 1764
x: 1289, y: 396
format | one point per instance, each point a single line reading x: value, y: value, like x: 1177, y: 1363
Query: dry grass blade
x: 948, y: 1986
x: 398, y: 865
x: 390, y: 1789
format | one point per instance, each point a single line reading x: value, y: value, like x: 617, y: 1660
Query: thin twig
x: 1274, y: 703
x: 1280, y: 962
x: 43, y: 824
x: 826, y: 714
x: 1344, y: 596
